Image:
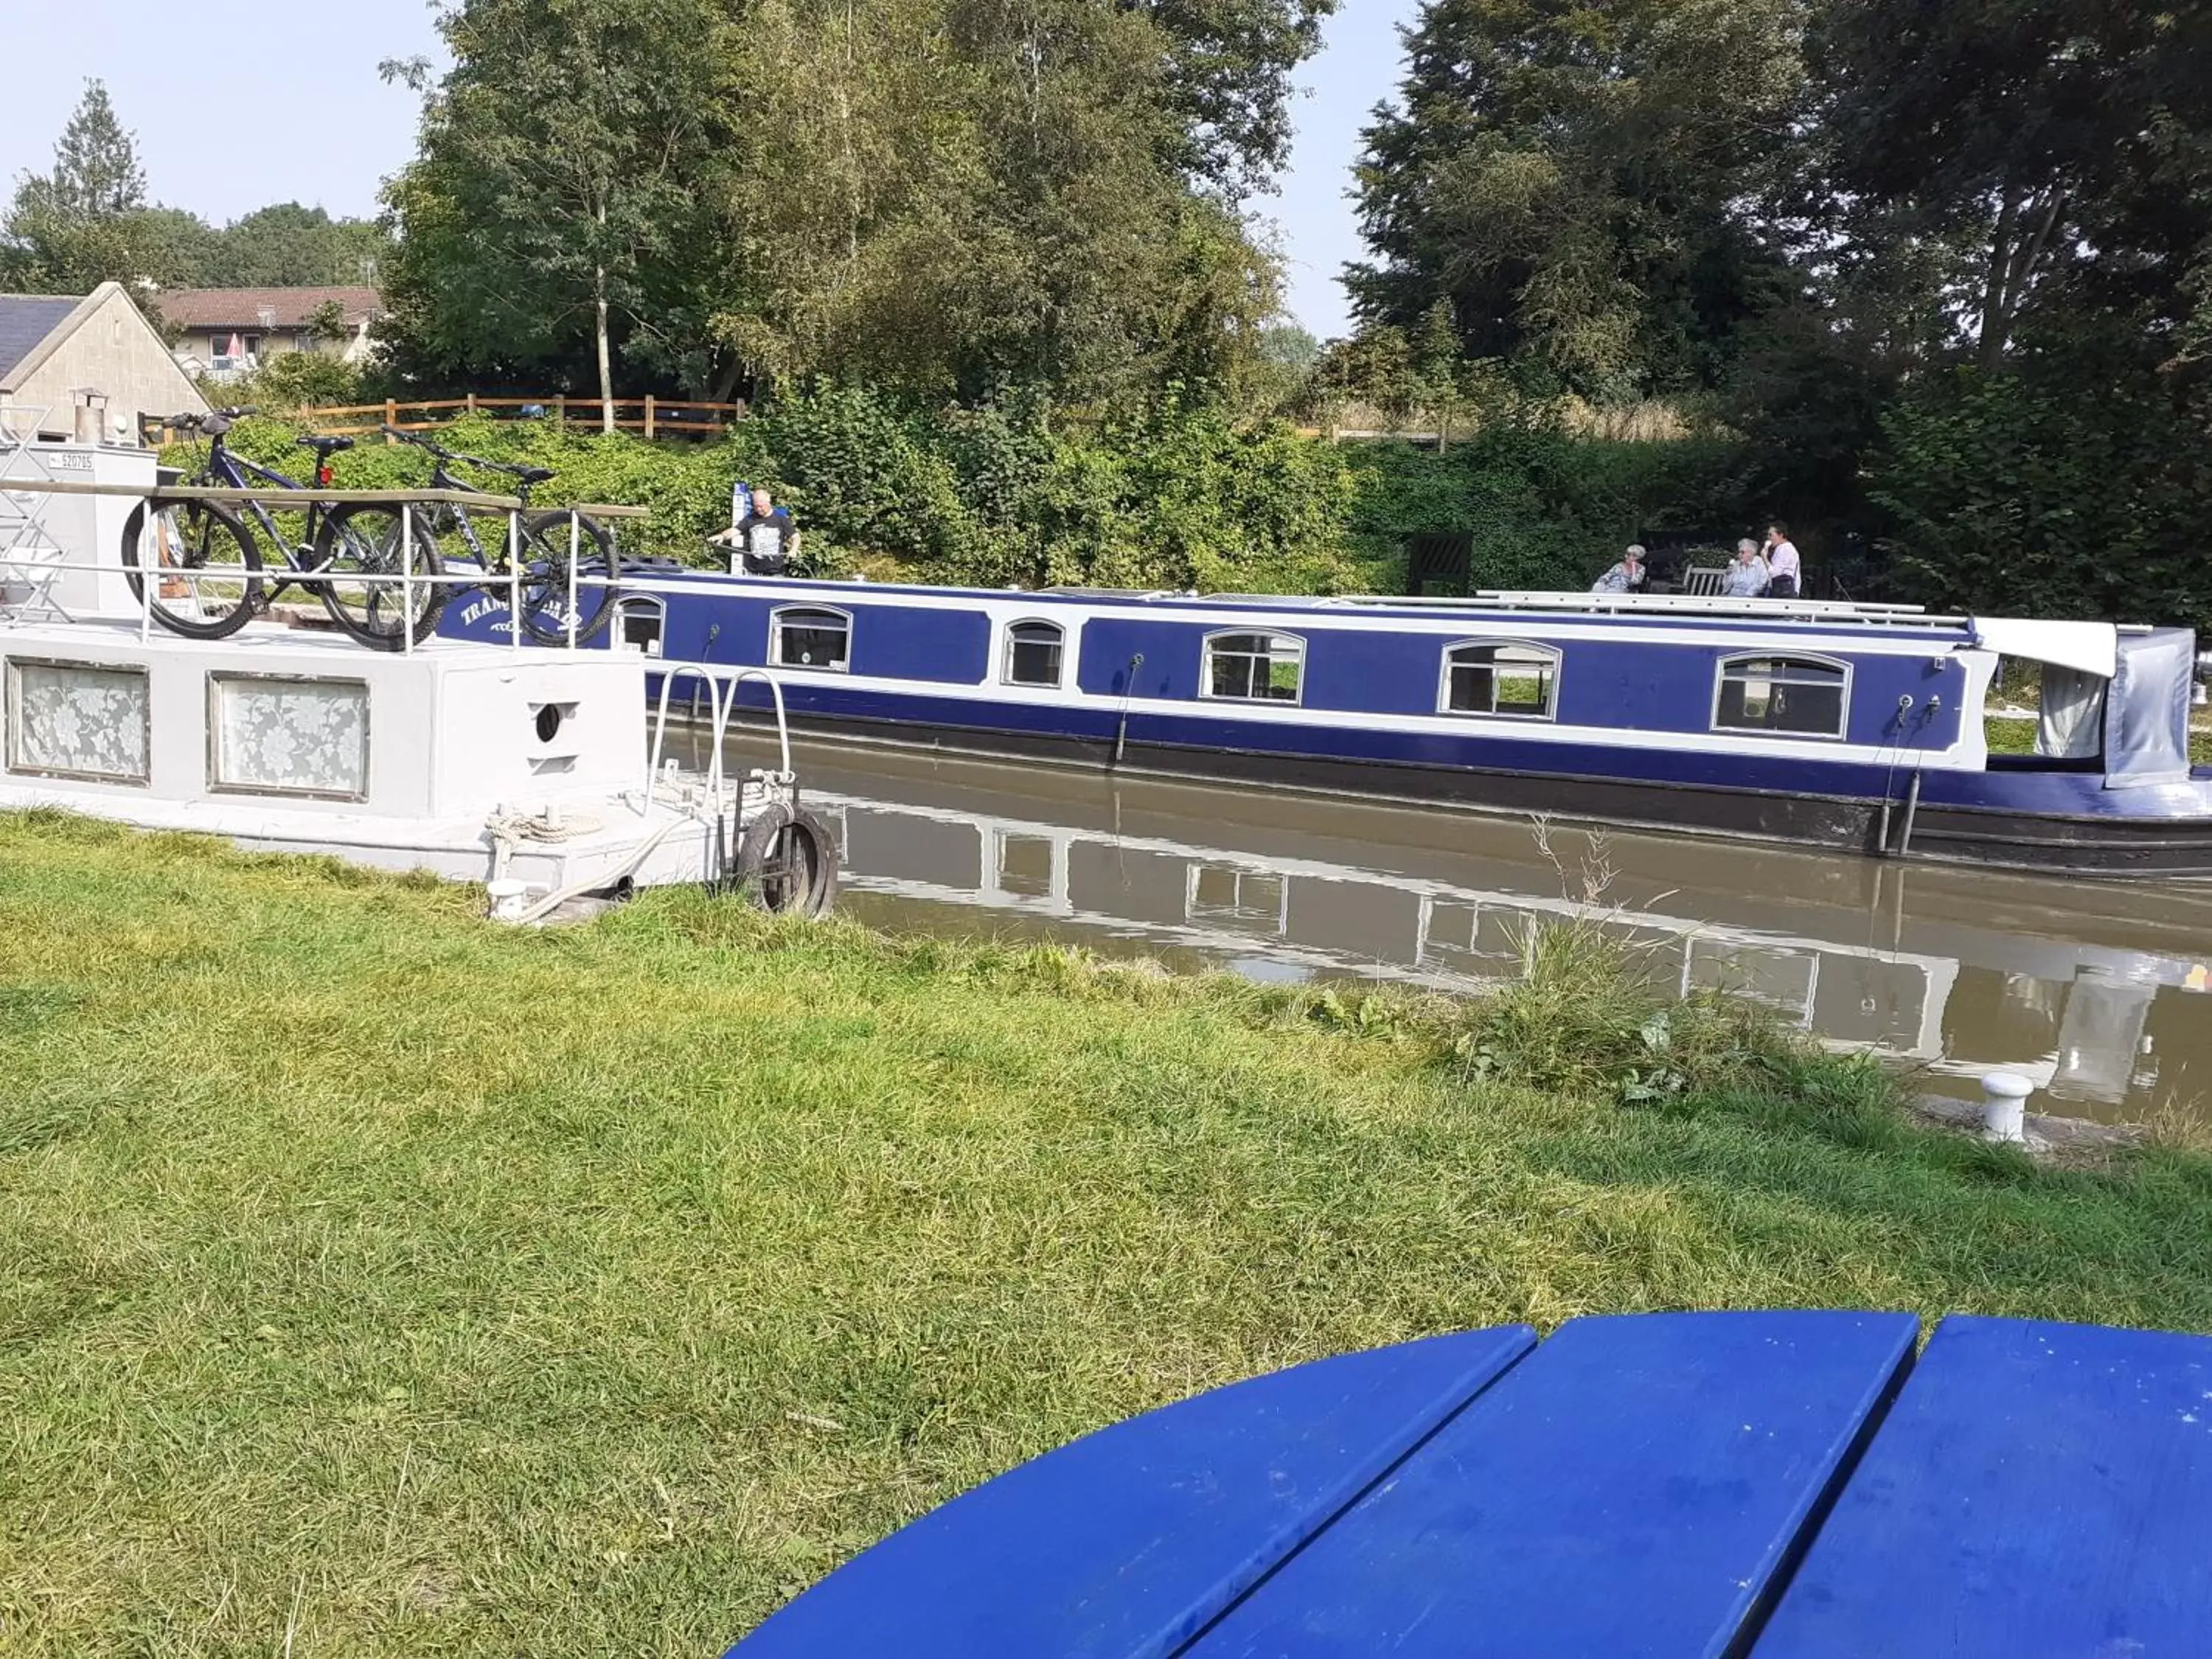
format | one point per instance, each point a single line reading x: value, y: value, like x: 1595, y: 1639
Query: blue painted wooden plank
x: 2037, y: 1489
x: 1630, y: 1489
x: 1121, y: 1544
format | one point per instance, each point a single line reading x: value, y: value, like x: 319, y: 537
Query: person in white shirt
x: 1783, y: 572
x: 1746, y: 578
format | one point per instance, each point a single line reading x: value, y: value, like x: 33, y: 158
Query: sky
x: 264, y: 100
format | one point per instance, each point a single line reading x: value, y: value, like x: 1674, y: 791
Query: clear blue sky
x: 314, y: 124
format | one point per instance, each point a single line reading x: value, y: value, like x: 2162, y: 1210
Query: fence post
x: 561, y: 409
x: 391, y: 417
x: 648, y: 415
x: 472, y: 403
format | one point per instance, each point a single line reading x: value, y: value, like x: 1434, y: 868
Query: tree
x: 945, y: 197
x: 86, y: 222
x: 289, y: 246
x: 2031, y: 143
x: 563, y: 160
x: 1575, y: 181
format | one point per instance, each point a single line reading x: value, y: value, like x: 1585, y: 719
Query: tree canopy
x: 88, y: 221
x: 945, y: 196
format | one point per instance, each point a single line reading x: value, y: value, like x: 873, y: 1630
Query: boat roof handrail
x: 1668, y: 605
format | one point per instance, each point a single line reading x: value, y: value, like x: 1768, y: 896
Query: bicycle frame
x: 224, y: 468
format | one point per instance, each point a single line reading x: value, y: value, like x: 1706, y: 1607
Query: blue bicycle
x: 217, y: 577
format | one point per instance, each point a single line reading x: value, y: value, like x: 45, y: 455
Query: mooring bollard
x: 507, y: 897
x: 2004, y: 1106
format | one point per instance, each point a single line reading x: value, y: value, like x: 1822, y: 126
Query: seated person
x: 1626, y: 577
x: 1746, y: 578
x: 765, y: 540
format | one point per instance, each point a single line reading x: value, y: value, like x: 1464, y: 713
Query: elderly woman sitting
x: 1626, y: 577
x: 1746, y: 578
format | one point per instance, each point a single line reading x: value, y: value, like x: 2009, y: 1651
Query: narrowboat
x: 1853, y: 727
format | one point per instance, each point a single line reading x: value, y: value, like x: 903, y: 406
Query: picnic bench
x: 1782, y: 1484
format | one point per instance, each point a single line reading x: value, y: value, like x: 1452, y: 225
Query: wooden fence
x: 652, y: 417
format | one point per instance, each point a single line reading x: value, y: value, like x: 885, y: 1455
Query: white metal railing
x: 411, y: 580
x: 721, y: 680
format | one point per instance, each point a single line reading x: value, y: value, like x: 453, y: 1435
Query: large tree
x: 287, y: 246
x: 949, y: 196
x: 2032, y: 153
x: 557, y: 199
x: 1580, y: 182
x: 87, y: 221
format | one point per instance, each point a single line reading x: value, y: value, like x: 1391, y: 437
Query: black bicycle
x: 210, y: 562
x: 446, y: 538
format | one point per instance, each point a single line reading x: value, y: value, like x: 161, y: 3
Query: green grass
x: 2017, y: 737
x: 381, y: 1282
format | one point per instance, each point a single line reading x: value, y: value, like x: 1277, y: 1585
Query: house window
x: 1508, y: 677
x: 1034, y: 653
x: 1253, y: 667
x: 802, y: 637
x: 1794, y: 696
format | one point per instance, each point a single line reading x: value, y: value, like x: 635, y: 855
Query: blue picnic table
x: 1784, y: 1485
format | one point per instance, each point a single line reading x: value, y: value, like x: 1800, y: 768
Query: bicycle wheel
x: 209, y: 583
x: 546, y: 541
x: 365, y: 545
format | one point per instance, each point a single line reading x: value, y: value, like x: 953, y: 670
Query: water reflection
x: 2097, y: 991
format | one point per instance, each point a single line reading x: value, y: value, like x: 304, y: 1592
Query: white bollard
x: 2004, y: 1106
x: 507, y: 897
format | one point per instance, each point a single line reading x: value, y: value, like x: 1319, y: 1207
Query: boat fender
x: 788, y: 861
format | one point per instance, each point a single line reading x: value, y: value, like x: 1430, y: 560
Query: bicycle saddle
x: 535, y: 475
x: 325, y: 446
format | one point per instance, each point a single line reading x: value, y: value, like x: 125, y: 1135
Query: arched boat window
x: 1512, y: 678
x: 1035, y: 652
x: 810, y: 636
x: 1789, y: 697
x: 641, y: 619
x: 1253, y: 667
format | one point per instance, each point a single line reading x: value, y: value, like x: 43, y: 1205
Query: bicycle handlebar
x: 445, y: 454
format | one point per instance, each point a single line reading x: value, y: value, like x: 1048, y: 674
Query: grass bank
x: 378, y: 1281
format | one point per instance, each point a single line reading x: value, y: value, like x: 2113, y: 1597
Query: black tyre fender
x: 788, y: 861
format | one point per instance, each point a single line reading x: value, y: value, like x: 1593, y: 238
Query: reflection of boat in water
x: 1958, y: 970
x: 1298, y: 916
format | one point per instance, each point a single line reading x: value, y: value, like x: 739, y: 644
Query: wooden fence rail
x: 654, y: 417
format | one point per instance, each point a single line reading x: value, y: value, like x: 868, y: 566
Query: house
x: 87, y: 367
x: 229, y: 331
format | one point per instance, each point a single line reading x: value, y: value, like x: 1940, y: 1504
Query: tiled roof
x: 242, y: 308
x: 25, y: 320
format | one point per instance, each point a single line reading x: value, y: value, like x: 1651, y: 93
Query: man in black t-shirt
x: 764, y: 541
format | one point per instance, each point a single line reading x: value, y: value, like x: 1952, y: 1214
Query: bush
x: 1177, y: 495
x: 2083, y: 497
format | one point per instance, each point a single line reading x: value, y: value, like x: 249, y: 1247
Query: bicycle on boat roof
x: 214, y: 583
x: 445, y: 535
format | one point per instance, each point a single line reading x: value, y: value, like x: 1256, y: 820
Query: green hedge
x: 1177, y: 496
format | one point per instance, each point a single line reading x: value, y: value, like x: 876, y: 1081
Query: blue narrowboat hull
x: 1631, y: 736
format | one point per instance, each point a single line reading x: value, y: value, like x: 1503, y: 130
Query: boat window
x: 1033, y: 651
x: 1796, y: 696
x: 804, y: 636
x: 1506, y: 677
x: 1253, y: 667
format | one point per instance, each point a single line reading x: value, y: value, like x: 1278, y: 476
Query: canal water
x: 2099, y: 993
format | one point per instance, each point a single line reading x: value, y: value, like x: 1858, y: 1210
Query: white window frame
x: 642, y: 604
x: 1206, y: 665
x: 1736, y: 658
x: 1006, y: 654
x: 1551, y: 713
x: 775, y: 621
